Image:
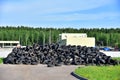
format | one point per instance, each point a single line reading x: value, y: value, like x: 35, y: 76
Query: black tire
x: 34, y: 63
x: 50, y: 65
x: 58, y: 64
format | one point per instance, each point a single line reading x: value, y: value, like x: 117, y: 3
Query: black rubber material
x: 55, y: 55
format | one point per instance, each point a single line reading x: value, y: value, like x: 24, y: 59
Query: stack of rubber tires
x: 55, y: 55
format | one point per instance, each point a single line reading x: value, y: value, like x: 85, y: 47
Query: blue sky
x: 60, y: 13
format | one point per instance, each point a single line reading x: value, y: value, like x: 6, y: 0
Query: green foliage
x: 1, y: 60
x: 99, y: 72
x: 117, y: 58
x: 28, y: 35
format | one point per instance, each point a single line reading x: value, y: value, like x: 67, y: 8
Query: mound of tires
x: 55, y: 55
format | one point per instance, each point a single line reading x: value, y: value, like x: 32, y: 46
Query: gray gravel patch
x: 5, y: 51
x: 36, y: 72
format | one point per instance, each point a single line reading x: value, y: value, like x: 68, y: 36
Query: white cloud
x: 73, y: 17
x: 53, y: 6
x: 44, y: 12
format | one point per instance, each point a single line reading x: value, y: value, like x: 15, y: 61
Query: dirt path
x: 36, y: 72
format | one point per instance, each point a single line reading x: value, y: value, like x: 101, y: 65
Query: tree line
x: 30, y: 35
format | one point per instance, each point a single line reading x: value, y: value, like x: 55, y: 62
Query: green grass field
x: 99, y: 72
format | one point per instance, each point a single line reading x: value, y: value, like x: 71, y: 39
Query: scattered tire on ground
x: 55, y: 55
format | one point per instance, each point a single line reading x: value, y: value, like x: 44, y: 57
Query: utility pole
x: 50, y: 37
x: 43, y: 41
x: 43, y: 38
x: 19, y: 37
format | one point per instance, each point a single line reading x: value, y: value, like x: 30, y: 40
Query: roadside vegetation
x: 117, y: 58
x: 99, y: 72
x: 28, y: 35
x: 1, y: 60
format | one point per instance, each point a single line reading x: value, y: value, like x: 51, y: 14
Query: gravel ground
x: 5, y: 51
x: 112, y: 53
x: 36, y: 72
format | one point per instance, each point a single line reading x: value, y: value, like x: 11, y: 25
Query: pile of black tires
x: 55, y: 55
